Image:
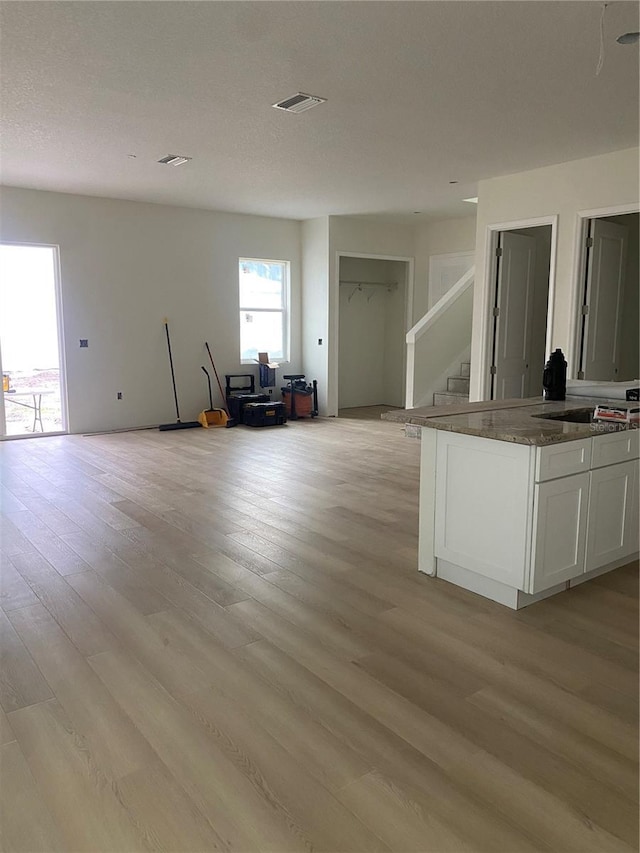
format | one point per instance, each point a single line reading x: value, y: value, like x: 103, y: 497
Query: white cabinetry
x: 613, y: 514
x: 482, y: 507
x: 561, y: 460
x: 559, y: 525
x: 513, y: 521
x: 615, y: 447
x: 634, y: 536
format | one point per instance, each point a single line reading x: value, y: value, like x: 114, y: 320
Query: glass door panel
x: 30, y: 342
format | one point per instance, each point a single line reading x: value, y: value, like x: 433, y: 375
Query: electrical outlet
x: 119, y: 395
x: 84, y: 342
x: 319, y: 342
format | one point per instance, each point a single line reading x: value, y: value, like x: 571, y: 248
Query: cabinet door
x: 634, y: 524
x: 483, y: 504
x: 613, y: 518
x: 559, y: 530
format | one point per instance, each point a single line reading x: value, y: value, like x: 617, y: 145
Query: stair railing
x: 425, y: 322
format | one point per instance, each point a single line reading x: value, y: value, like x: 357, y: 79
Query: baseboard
x: 617, y: 564
x: 496, y: 591
x: 516, y: 599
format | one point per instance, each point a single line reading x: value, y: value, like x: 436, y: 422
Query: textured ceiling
x: 419, y: 94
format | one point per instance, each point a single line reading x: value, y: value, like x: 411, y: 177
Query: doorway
x: 372, y: 327
x: 608, y: 346
x: 520, y: 310
x: 31, y: 355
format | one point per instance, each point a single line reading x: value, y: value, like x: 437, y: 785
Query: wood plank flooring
x: 218, y: 641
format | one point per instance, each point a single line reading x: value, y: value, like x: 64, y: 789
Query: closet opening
x: 372, y: 326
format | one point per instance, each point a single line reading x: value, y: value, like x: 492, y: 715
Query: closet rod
x: 370, y: 283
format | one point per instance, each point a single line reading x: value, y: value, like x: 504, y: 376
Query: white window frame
x: 284, y: 310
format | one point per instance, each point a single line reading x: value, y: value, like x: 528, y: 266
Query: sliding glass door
x: 31, y: 355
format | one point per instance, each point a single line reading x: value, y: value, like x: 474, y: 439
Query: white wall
x: 315, y: 304
x: 371, y: 333
x: 127, y: 265
x: 360, y: 237
x: 440, y: 237
x: 395, y: 332
x: 361, y: 359
x: 563, y: 189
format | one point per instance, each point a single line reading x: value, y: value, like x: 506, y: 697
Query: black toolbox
x: 239, y: 395
x: 264, y: 414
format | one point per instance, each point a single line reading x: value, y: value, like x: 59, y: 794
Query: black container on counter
x: 554, y: 378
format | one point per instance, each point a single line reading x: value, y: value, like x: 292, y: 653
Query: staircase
x: 457, y: 388
x: 437, y: 342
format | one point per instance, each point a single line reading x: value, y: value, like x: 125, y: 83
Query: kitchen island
x: 521, y: 499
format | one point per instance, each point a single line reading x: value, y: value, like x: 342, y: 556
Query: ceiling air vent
x: 298, y: 103
x: 174, y: 160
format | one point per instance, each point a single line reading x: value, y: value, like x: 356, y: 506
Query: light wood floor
x: 218, y: 641
x: 365, y: 413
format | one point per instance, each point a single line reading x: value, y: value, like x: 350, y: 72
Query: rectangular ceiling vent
x: 298, y: 103
x: 174, y: 160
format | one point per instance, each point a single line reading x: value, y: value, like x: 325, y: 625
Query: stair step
x: 449, y: 398
x: 465, y: 368
x: 459, y: 384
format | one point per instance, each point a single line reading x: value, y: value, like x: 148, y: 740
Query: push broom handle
x: 173, y: 378
x: 206, y: 373
x: 224, y: 399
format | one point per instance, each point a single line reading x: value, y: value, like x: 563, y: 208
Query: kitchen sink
x: 572, y: 416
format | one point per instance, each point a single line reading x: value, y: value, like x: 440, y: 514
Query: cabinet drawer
x: 561, y: 460
x: 615, y: 447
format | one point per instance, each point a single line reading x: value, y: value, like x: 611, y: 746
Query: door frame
x: 491, y: 282
x: 334, y: 320
x: 579, y: 272
x: 57, y: 283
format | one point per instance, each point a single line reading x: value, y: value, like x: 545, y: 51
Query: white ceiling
x: 419, y: 94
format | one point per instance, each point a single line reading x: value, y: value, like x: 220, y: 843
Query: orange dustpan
x: 212, y: 417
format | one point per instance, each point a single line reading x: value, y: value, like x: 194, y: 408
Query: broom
x: 178, y: 424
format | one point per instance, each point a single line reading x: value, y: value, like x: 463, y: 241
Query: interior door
x: 602, y: 310
x: 513, y: 315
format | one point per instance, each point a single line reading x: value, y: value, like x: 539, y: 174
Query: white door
x: 603, y: 300
x: 514, y: 304
x: 613, y: 518
x: 559, y: 527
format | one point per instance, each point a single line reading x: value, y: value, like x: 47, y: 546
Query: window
x: 264, y: 323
